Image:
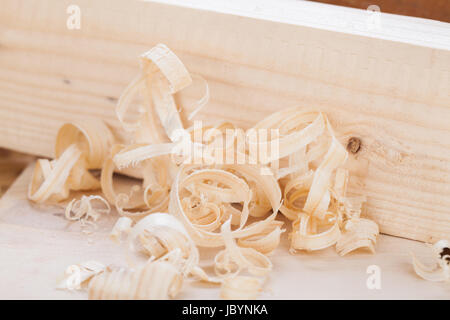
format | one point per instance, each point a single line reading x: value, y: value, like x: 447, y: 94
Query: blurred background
x: 430, y: 9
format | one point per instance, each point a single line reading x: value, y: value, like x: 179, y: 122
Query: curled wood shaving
x: 162, y: 237
x: 122, y: 227
x: 216, y: 184
x: 86, y: 212
x: 79, y: 147
x: 50, y: 177
x: 318, y: 198
x: 358, y: 233
x: 266, y: 241
x: 154, y: 281
x: 77, y: 276
x: 162, y: 75
x: 441, y: 271
x: 234, y: 259
x: 92, y: 137
x: 84, y: 209
x: 296, y: 129
x: 199, y: 104
x: 159, y: 234
x: 234, y: 190
x: 305, y: 236
x: 152, y: 196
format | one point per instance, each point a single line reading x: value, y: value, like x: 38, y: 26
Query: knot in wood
x: 354, y: 145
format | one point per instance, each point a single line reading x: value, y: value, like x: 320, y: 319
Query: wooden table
x: 37, y: 244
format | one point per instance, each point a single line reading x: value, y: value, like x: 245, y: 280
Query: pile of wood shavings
x: 202, y: 192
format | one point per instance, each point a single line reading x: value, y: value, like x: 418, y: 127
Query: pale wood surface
x: 37, y: 244
x: 390, y: 87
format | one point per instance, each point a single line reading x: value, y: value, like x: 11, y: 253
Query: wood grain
x: 390, y: 88
x: 37, y: 244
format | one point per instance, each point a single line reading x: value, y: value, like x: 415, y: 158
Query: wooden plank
x: 389, y: 87
x: 31, y: 268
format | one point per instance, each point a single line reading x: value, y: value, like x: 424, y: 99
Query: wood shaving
x: 86, y: 212
x: 79, y: 147
x: 196, y: 192
x: 154, y: 281
x: 359, y: 233
x: 122, y: 227
x: 159, y: 234
x: 79, y: 275
x: 441, y: 271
